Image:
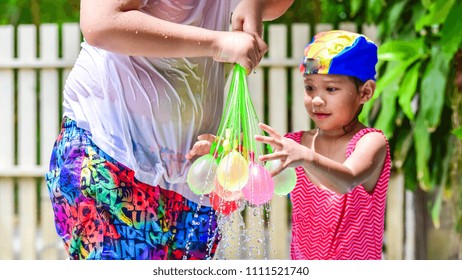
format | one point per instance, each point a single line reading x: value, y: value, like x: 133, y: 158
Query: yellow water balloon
x: 233, y: 171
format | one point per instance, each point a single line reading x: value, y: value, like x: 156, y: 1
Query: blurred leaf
x: 451, y: 32
x: 409, y: 169
x: 355, y: 6
x: 395, y: 13
x: 394, y: 72
x: 423, y: 151
x: 457, y: 132
x: 385, y: 120
x: 437, y: 14
x: 426, y: 3
x: 408, y: 90
x: 459, y: 224
x: 38, y: 11
x: 446, y: 162
x: 433, y: 87
x: 374, y: 8
x: 436, y: 208
x: 364, y: 115
x: 402, y: 147
x: 400, y: 50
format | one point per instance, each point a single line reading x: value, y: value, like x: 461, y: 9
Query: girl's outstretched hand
x: 289, y: 152
x: 202, y: 146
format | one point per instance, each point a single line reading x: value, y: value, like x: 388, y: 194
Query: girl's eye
x: 331, y: 89
x: 309, y: 88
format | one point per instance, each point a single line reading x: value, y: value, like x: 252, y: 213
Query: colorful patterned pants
x: 103, y: 212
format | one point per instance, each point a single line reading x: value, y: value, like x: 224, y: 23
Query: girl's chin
x: 328, y: 127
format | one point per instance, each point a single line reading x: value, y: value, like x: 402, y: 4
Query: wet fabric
x: 146, y: 112
x: 103, y: 212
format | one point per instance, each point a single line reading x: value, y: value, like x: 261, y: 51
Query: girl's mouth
x: 321, y: 115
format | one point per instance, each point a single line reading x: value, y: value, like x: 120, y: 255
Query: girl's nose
x: 317, y: 101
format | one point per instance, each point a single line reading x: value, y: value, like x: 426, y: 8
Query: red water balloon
x: 222, y: 206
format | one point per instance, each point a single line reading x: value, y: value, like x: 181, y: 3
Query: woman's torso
x: 147, y: 112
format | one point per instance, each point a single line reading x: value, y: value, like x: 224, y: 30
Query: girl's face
x: 332, y: 101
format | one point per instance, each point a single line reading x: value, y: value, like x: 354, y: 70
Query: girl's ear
x: 366, y: 91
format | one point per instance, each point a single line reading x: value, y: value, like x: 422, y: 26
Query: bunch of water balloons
x: 231, y: 174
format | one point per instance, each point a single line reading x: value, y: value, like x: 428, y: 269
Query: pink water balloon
x: 260, y: 186
x: 201, y: 175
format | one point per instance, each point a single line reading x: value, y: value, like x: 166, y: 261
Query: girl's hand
x: 289, y: 152
x: 202, y: 146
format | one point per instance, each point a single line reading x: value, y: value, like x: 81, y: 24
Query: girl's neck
x: 351, y: 128
x: 352, y: 125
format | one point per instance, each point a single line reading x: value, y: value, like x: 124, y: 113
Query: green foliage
x: 458, y: 132
x: 301, y: 11
x: 38, y: 11
x: 415, y: 88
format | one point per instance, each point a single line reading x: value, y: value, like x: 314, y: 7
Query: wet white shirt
x: 146, y: 112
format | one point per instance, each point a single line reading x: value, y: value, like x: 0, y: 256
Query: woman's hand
x: 240, y: 47
x: 202, y: 146
x: 248, y: 16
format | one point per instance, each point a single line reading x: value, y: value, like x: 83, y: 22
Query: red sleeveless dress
x: 330, y: 226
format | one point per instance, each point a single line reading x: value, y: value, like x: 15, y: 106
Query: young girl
x: 343, y: 167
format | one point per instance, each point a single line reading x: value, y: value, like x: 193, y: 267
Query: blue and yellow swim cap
x: 340, y: 52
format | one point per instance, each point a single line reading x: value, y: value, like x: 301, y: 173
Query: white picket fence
x: 32, y: 74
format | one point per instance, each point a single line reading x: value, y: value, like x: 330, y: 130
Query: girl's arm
x: 364, y: 163
x: 120, y: 26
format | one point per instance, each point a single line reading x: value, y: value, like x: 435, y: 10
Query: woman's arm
x: 273, y: 9
x: 250, y: 14
x: 120, y: 26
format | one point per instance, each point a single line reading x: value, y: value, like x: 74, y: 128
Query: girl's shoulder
x: 371, y: 138
x: 368, y: 133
